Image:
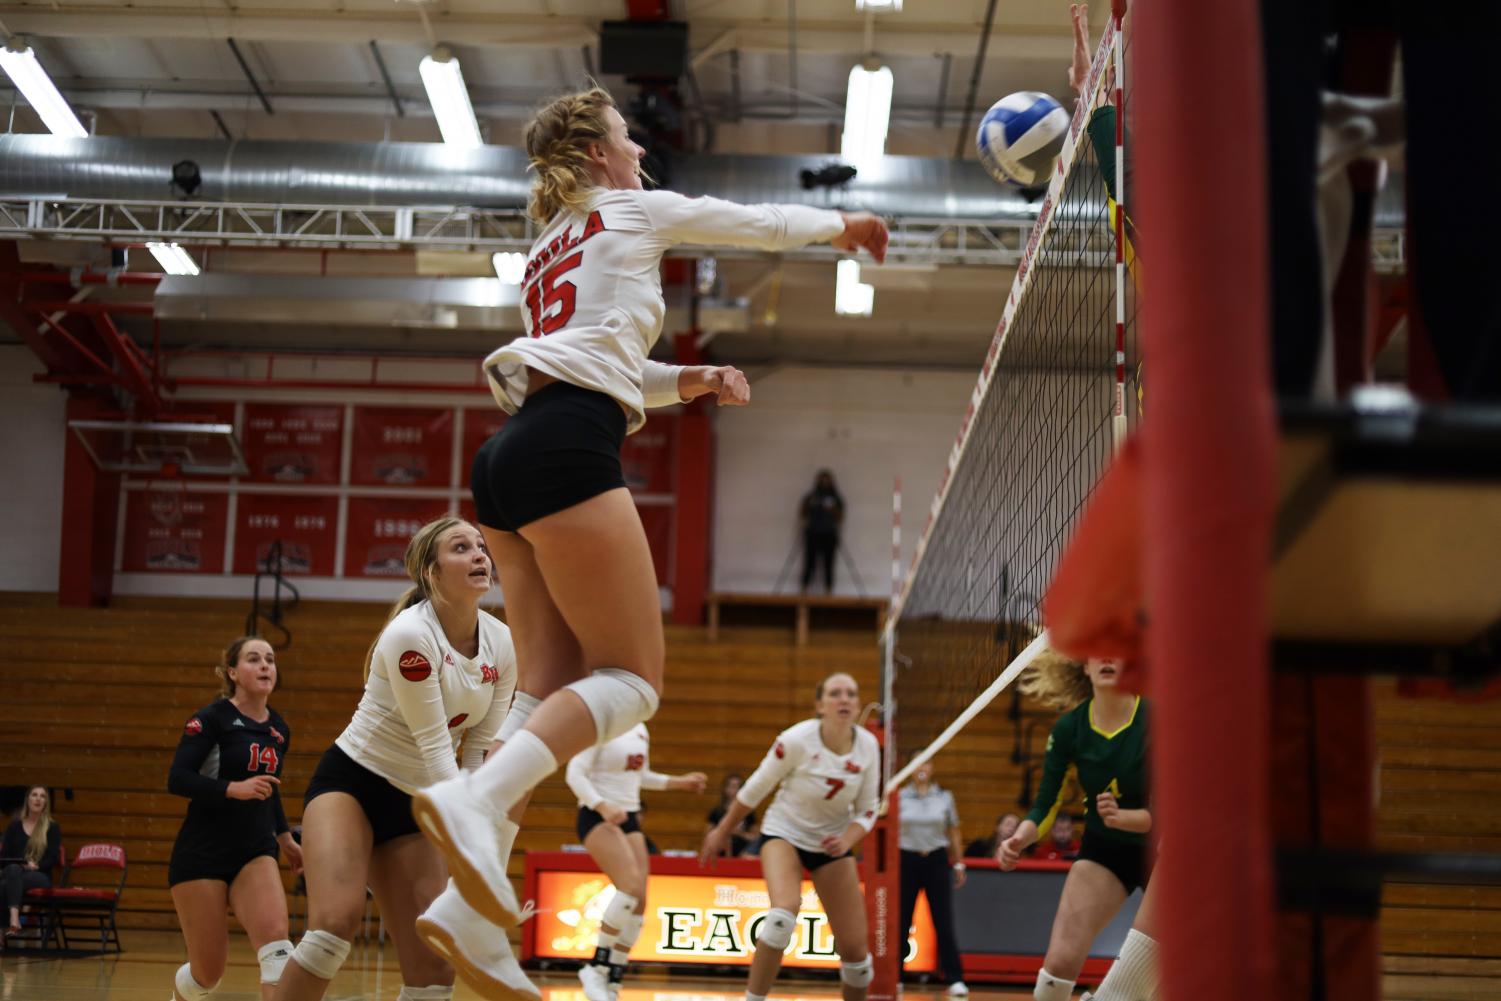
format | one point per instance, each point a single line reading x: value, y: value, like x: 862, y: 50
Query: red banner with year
x: 304, y: 526
x: 175, y: 531
x: 379, y: 529
x: 401, y: 446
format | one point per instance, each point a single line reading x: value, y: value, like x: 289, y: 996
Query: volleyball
x: 1020, y: 137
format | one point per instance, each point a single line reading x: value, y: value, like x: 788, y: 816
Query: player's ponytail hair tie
x: 421, y: 561
x: 557, y: 144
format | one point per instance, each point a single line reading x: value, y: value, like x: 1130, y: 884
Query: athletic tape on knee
x: 1050, y: 988
x: 273, y: 957
x: 619, y: 911
x: 437, y: 992
x: 858, y: 974
x: 321, y: 954
x: 189, y: 989
x: 776, y: 930
x: 617, y: 700
x: 522, y: 707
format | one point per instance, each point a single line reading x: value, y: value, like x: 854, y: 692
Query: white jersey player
x: 441, y: 673
x: 608, y: 780
x: 549, y: 494
x: 826, y: 772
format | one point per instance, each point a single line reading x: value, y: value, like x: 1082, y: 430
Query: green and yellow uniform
x: 1105, y: 761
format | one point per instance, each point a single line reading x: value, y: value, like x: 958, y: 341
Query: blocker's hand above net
x: 863, y: 230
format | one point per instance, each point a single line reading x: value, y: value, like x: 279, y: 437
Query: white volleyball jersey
x: 423, y: 696
x: 591, y: 297
x: 820, y: 793
x: 615, y: 772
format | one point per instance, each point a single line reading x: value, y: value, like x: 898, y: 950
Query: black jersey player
x: 228, y: 764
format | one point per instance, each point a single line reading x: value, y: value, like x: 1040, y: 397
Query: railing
x: 271, y: 567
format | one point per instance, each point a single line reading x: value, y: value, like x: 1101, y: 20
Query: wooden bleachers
x: 802, y: 605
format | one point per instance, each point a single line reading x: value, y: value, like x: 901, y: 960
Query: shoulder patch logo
x: 277, y: 734
x: 780, y: 751
x: 414, y: 666
x: 194, y: 725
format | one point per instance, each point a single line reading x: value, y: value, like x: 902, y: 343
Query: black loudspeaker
x: 651, y: 49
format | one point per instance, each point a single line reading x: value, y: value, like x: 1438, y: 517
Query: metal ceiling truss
x: 914, y: 240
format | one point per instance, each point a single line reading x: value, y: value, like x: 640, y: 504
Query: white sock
x: 1050, y: 988
x: 754, y: 997
x: 513, y: 771
x: 505, y: 836
x: 1132, y: 977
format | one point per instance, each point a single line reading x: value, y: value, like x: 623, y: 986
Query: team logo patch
x: 489, y: 675
x: 414, y: 666
x: 277, y: 734
x: 461, y: 717
x: 194, y: 725
x: 780, y: 751
x: 852, y: 768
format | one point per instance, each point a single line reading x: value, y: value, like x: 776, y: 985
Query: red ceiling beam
x: 137, y: 379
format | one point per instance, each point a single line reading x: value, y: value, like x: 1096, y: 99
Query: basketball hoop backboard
x: 162, y: 448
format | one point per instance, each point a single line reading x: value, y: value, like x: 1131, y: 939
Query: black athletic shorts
x: 388, y: 809
x: 195, y: 857
x: 810, y: 860
x: 589, y: 819
x: 1129, y: 863
x: 561, y: 449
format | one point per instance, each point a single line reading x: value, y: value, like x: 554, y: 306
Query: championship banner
x: 379, y: 529
x: 292, y: 443
x: 479, y: 425
x: 303, y: 525
x: 693, y: 915
x: 401, y: 446
x: 175, y: 531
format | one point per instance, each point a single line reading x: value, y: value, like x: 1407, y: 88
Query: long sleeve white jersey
x: 615, y: 772
x: 423, y: 696
x: 819, y: 793
x: 592, y: 303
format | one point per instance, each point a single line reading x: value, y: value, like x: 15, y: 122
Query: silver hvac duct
x: 415, y: 174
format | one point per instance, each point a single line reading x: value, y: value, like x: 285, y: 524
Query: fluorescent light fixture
x: 509, y: 268
x: 867, y: 114
x: 851, y: 298
x: 173, y: 259
x: 445, y: 92
x: 19, y: 62
x: 880, y: 6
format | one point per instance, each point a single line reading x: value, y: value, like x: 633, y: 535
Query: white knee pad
x: 189, y: 989
x: 522, y: 707
x: 321, y: 954
x: 630, y: 930
x: 776, y: 930
x: 437, y: 992
x: 858, y: 974
x: 1050, y: 988
x: 619, y: 911
x: 617, y: 699
x: 273, y: 957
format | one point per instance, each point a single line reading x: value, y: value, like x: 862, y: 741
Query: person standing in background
x: 932, y: 864
x: 821, y: 515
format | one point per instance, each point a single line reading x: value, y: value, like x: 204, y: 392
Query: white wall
x: 32, y: 433
x: 867, y: 426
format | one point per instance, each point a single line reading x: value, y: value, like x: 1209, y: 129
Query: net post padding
x: 881, y: 872
x: 1209, y: 457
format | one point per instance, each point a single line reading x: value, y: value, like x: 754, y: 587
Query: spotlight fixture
x: 186, y: 177
x: 830, y: 175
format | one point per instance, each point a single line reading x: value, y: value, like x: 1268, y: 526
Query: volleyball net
x: 1056, y: 395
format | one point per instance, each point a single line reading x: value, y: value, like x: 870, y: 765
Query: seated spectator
x: 746, y: 834
x: 1061, y: 844
x: 30, y: 850
x: 1005, y: 826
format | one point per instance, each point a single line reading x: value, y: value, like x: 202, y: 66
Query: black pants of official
x: 819, y: 547
x: 933, y: 874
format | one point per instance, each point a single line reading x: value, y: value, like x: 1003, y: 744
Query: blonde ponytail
x: 1056, y: 681
x: 422, y: 566
x: 557, y: 142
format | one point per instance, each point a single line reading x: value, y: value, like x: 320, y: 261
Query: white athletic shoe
x: 1086, y: 996
x: 958, y: 989
x: 595, y: 981
x: 478, y: 951
x: 464, y: 831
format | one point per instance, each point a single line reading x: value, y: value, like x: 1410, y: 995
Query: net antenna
x: 1047, y: 413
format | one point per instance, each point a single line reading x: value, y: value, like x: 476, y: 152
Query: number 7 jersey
x: 821, y: 793
x: 591, y: 296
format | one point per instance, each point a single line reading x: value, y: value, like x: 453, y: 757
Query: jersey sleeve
x: 868, y: 795
x: 1056, y: 760
x: 659, y: 384
x: 278, y: 812
x: 411, y: 663
x: 677, y: 219
x: 654, y: 781
x: 478, y: 738
x: 199, y: 736
x: 785, y: 755
x: 577, y: 777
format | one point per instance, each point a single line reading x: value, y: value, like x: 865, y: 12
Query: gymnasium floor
x: 144, y: 973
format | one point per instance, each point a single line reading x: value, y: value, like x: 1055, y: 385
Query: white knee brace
x: 437, y: 992
x: 617, y: 699
x: 189, y: 989
x: 273, y: 957
x: 320, y: 953
x: 776, y: 930
x: 522, y: 707
x: 619, y: 911
x: 858, y: 974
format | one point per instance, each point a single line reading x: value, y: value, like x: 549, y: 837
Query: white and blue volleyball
x: 1020, y: 137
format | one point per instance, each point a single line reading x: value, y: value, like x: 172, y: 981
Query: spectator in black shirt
x: 746, y: 833
x: 1005, y: 826
x: 821, y: 515
x: 35, y: 839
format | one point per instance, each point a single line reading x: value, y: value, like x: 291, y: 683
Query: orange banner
x: 710, y: 919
